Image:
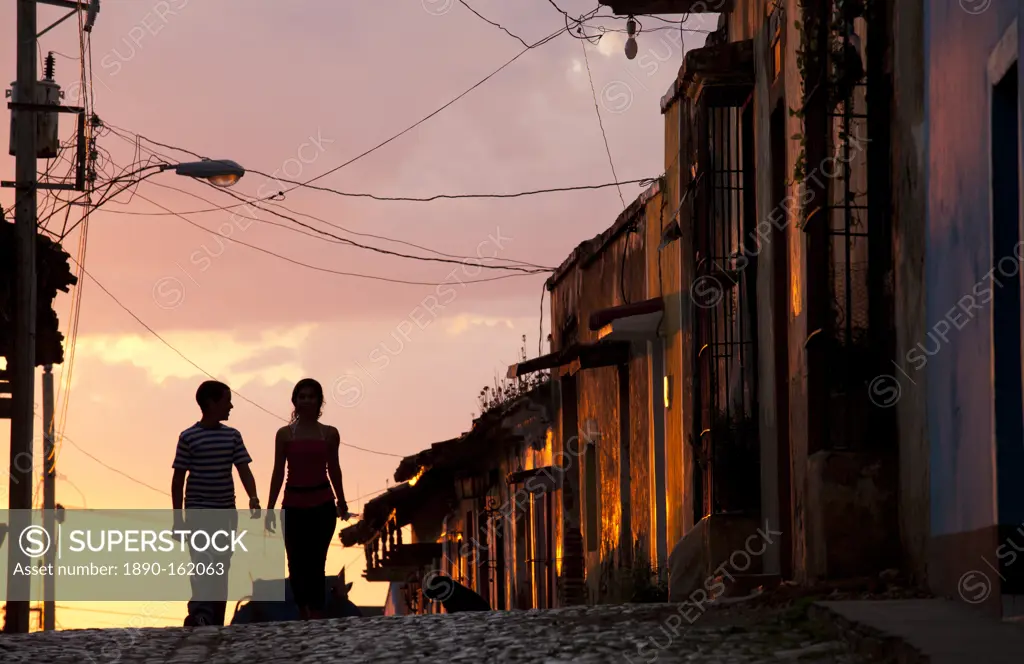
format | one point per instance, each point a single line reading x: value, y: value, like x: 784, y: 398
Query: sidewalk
x: 937, y: 631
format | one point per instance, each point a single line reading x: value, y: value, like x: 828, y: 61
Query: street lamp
x: 219, y: 172
x: 631, y: 47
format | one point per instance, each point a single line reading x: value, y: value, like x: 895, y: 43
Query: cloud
x: 612, y: 45
x: 234, y: 358
x: 463, y: 322
x: 271, y: 357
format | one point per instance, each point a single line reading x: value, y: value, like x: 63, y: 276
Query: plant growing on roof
x: 506, y: 390
x: 841, y: 71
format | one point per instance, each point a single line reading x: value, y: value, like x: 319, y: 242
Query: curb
x: 873, y: 643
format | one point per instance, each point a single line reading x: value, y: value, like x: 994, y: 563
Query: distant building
x: 471, y: 515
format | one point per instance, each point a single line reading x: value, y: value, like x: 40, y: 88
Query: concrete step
x: 934, y: 631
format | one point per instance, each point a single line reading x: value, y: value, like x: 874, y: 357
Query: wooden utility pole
x: 30, y: 98
x: 22, y: 363
x: 49, y: 498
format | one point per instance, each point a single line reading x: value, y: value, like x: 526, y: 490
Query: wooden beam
x: 627, y: 7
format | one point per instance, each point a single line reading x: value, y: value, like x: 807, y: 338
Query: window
x: 593, y: 522
x: 776, y: 21
x: 523, y: 584
x: 724, y: 296
x: 855, y: 313
x: 660, y: 403
x: 496, y: 561
x: 469, y: 551
x: 779, y: 505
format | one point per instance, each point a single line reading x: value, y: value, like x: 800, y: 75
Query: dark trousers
x: 210, y: 591
x: 307, y: 538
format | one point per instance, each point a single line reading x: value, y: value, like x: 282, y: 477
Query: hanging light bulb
x: 631, y: 47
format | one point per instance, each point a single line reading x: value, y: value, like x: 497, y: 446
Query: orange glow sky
x: 254, y: 81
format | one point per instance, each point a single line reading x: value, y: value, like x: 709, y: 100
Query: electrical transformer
x: 47, y: 122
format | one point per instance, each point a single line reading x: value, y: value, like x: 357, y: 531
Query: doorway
x: 780, y: 321
x: 1006, y: 324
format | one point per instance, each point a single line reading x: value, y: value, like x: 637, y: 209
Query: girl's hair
x: 318, y: 391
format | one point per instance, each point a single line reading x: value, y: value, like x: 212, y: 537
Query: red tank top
x: 307, y: 484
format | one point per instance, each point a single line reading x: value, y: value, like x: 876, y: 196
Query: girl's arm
x: 277, y: 476
x: 334, y: 468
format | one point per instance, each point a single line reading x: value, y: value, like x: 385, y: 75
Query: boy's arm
x: 249, y: 482
x: 182, y: 463
x: 178, y: 489
x: 241, y: 461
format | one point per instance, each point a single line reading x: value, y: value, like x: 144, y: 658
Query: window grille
x: 724, y: 295
x: 859, y: 332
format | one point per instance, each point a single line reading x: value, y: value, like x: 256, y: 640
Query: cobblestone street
x: 634, y: 633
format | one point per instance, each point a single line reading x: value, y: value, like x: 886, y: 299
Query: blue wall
x: 958, y: 254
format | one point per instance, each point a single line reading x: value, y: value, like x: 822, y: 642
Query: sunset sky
x: 272, y: 85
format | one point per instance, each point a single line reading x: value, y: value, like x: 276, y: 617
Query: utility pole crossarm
x: 66, y: 4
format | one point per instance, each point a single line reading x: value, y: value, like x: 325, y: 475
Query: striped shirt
x: 209, y: 455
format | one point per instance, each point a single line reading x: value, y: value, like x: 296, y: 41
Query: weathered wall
x: 607, y: 283
x: 641, y: 443
x: 798, y: 328
x: 599, y: 414
x: 909, y: 228
x: 669, y: 283
x: 959, y: 255
x: 748, y: 21
x: 568, y: 424
x: 663, y: 280
x: 614, y: 276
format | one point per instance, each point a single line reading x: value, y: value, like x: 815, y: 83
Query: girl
x: 310, y: 451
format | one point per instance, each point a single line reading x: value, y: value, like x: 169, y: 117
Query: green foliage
x: 647, y: 587
x: 506, y: 390
x: 807, y: 61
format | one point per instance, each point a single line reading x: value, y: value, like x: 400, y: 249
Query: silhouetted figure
x: 203, y: 484
x: 454, y: 596
x: 309, y: 452
x: 338, y: 603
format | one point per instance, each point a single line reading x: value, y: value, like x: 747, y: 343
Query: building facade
x: 810, y: 326
x: 969, y: 355
x: 783, y: 135
x: 483, y: 509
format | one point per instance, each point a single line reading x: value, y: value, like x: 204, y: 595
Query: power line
x: 112, y: 468
x: 328, y: 270
x: 522, y: 273
x: 435, y: 197
x: 204, y: 371
x: 314, y: 218
x: 427, y: 117
x: 489, y: 21
x: 600, y: 122
x: 580, y: 23
x: 433, y: 113
x: 388, y: 252
x: 106, y: 196
x: 219, y: 208
x: 377, y: 197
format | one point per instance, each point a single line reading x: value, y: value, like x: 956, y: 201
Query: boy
x: 206, y: 452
